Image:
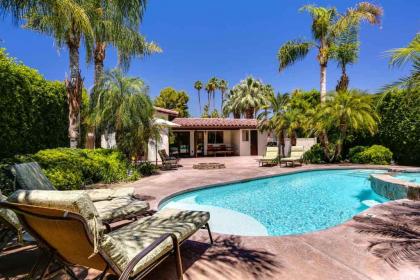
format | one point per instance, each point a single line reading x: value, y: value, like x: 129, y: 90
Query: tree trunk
x: 99, y: 58
x: 343, y: 83
x: 323, y: 82
x: 281, y: 142
x: 199, y: 101
x: 223, y: 100
x: 249, y: 113
x: 323, y: 139
x: 293, y: 138
x: 74, y: 87
x: 340, y: 142
x: 236, y: 115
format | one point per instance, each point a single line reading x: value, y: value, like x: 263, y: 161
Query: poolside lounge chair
x: 167, y: 161
x: 69, y: 229
x: 271, y: 156
x: 296, y: 156
x: 112, y: 204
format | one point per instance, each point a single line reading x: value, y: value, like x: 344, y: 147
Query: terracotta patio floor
x: 347, y: 251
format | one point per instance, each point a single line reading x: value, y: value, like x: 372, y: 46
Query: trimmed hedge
x: 375, y: 154
x: 33, y: 111
x: 71, y: 169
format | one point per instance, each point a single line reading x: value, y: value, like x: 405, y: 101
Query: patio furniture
x: 296, y: 156
x: 222, y: 149
x: 271, y: 156
x: 167, y: 161
x: 69, y: 229
x: 113, y: 204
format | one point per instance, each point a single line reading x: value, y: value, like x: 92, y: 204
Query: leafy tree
x: 327, y: 26
x: 246, y: 97
x: 124, y: 106
x: 68, y: 29
x: 198, y: 85
x: 169, y: 98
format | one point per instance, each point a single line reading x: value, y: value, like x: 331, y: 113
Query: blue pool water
x: 411, y: 177
x: 287, y: 204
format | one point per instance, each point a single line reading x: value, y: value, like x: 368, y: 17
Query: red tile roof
x: 166, y: 111
x: 214, y: 123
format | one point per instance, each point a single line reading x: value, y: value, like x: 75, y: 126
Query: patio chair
x: 296, y: 156
x: 112, y: 204
x: 69, y: 229
x: 167, y: 161
x: 271, y: 156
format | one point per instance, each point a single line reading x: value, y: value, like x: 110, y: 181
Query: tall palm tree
x: 198, y: 85
x: 211, y: 87
x: 68, y: 21
x: 214, y: 81
x: 124, y: 107
x: 223, y: 87
x: 246, y: 97
x: 345, y: 52
x: 327, y: 25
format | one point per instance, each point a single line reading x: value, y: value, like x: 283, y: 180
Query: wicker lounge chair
x: 112, y: 204
x: 69, y: 229
x: 167, y: 161
x: 296, y: 156
x: 271, y: 156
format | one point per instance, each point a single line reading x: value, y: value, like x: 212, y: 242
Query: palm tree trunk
x: 323, y: 138
x: 323, y: 82
x: 199, y: 101
x: 99, y: 58
x: 343, y: 83
x: 74, y: 87
x: 249, y: 113
x: 208, y: 99
x: 223, y: 100
x: 236, y: 115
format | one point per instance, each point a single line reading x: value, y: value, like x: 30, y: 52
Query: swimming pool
x: 413, y: 177
x: 287, y: 204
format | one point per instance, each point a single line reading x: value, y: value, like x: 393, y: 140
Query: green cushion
x: 124, y: 244
x: 29, y: 176
x: 120, y: 208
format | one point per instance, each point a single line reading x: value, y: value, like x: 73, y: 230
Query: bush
x: 146, y: 168
x: 375, y: 154
x: 33, y: 111
x: 71, y: 169
x: 314, y: 155
x: 354, y: 151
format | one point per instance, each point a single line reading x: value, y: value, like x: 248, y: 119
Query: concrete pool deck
x: 373, y: 245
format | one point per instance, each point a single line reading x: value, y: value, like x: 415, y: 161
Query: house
x: 217, y: 136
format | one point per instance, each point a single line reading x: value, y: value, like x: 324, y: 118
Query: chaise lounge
x: 69, y: 229
x: 112, y: 204
x: 167, y: 161
x: 296, y: 156
x: 271, y: 156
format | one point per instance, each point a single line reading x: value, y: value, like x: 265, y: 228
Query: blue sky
x: 231, y: 39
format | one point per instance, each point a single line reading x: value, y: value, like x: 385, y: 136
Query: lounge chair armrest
x: 125, y: 275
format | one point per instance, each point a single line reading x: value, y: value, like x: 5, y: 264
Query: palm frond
x: 292, y: 51
x: 400, y: 56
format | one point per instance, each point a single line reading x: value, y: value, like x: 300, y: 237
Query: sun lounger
x: 296, y: 156
x: 271, y: 156
x: 69, y: 229
x: 167, y: 161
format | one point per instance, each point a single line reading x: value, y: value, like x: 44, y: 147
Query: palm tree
x: 345, y: 111
x: 345, y: 52
x: 68, y: 21
x: 327, y: 25
x: 223, y: 87
x: 211, y: 87
x: 214, y: 81
x: 246, y: 97
x: 198, y: 85
x: 401, y: 56
x: 124, y: 106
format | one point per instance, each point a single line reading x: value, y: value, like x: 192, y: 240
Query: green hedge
x: 375, y: 154
x: 314, y: 155
x: 70, y: 169
x: 33, y: 111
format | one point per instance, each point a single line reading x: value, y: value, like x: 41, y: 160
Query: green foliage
x: 355, y: 150
x: 146, y: 168
x: 375, y: 154
x: 205, y: 113
x: 33, y: 111
x: 214, y: 114
x: 314, y: 155
x: 399, y: 128
x: 169, y: 98
x: 75, y: 168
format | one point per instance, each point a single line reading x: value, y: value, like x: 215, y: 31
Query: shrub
x: 354, y: 151
x: 33, y: 111
x: 70, y: 169
x: 375, y: 154
x: 146, y: 168
x: 314, y: 155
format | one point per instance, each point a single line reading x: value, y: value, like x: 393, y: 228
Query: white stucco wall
x: 307, y: 143
x: 162, y: 144
x: 245, y: 146
x: 262, y: 142
x: 235, y: 140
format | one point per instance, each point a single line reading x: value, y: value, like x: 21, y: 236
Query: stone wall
x: 394, y: 188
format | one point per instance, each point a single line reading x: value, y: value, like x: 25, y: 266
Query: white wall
x: 162, y: 144
x: 235, y: 140
x: 307, y: 143
x: 108, y: 141
x: 262, y: 142
x: 245, y: 146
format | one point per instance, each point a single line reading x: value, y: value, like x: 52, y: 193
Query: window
x: 245, y: 135
x: 215, y: 137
